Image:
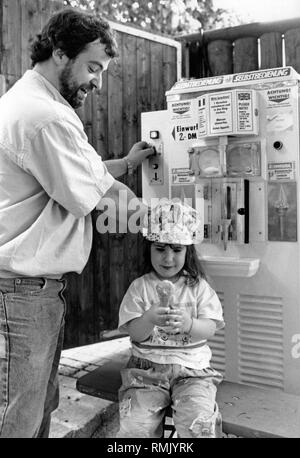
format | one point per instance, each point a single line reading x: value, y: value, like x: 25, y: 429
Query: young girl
x: 169, y: 313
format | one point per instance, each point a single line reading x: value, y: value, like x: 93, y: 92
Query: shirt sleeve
x: 132, y: 305
x: 209, y: 305
x: 68, y: 167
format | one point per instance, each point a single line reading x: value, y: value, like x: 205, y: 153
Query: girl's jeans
x: 148, y: 388
x: 32, y: 314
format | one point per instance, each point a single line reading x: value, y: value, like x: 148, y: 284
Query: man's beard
x: 69, y: 89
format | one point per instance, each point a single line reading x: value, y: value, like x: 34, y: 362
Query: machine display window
x: 243, y: 159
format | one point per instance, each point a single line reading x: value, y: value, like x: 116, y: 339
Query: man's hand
x: 138, y: 153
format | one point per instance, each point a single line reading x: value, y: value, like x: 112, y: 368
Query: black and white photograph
x: 149, y: 223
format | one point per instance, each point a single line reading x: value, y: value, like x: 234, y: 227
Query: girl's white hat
x: 174, y: 222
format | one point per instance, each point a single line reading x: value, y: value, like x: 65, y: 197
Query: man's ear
x: 59, y: 57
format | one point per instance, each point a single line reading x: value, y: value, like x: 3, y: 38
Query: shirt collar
x: 42, y: 81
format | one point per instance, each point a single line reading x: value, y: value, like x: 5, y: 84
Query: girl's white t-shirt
x: 163, y: 347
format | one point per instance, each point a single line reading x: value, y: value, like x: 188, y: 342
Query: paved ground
x: 78, y: 414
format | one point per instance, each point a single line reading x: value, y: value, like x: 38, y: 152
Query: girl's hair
x: 192, y: 268
x: 71, y: 30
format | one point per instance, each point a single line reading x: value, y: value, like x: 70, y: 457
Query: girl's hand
x: 179, y: 321
x: 157, y: 314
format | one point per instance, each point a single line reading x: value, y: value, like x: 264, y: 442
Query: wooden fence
x: 242, y: 48
x: 148, y: 65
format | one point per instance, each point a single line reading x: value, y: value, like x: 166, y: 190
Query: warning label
x: 180, y: 176
x: 278, y: 96
x: 183, y: 110
x: 281, y: 171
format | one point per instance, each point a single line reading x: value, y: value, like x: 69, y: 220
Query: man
x: 50, y: 180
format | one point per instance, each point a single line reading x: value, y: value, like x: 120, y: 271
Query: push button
x: 154, y: 134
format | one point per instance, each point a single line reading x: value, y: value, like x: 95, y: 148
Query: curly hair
x: 71, y: 30
x: 192, y: 269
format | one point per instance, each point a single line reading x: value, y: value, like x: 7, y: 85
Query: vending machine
x: 230, y: 145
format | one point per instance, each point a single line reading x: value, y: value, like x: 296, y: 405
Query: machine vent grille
x: 217, y: 346
x: 260, y: 340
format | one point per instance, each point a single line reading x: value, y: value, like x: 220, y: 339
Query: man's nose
x: 96, y: 83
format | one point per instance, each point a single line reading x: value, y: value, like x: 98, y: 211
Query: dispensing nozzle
x: 225, y: 231
x: 226, y: 221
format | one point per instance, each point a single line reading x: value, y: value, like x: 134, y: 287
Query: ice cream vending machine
x: 230, y: 145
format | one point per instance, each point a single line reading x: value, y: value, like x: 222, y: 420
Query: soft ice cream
x: 165, y: 290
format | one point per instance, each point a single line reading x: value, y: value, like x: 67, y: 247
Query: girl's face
x: 167, y: 260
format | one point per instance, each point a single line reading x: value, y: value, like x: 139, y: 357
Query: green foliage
x: 171, y: 17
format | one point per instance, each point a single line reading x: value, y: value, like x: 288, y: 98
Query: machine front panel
x: 230, y: 146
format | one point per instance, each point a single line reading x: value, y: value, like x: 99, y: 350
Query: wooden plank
x: 143, y: 105
x: 220, y: 59
x: 245, y: 56
x: 139, y: 32
x: 99, y: 119
x: 31, y: 25
x: 169, y: 68
x: 88, y: 117
x: 157, y: 90
x: 271, y: 50
x: 130, y: 121
x: 292, y: 48
x: 143, y: 62
x: 2, y: 85
x: 130, y: 136
x: 254, y: 29
x: 116, y: 279
x: 11, y: 31
x: 115, y: 105
x: 1, y: 35
x: 73, y: 321
x: 101, y: 288
x: 48, y: 8
x: 115, y: 148
x: 87, y: 307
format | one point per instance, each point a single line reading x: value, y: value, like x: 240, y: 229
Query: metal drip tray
x: 220, y: 266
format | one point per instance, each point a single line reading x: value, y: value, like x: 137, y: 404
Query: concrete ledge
x: 80, y: 415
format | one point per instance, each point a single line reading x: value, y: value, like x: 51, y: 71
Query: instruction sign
x: 220, y: 113
x: 244, y: 111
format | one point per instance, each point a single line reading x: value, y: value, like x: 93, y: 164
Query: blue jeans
x: 32, y: 314
x: 148, y: 388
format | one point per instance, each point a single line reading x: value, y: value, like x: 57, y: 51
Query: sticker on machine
x: 182, y: 176
x: 281, y: 171
x: 183, y: 110
x: 220, y: 113
x: 281, y: 96
x: 185, y: 132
